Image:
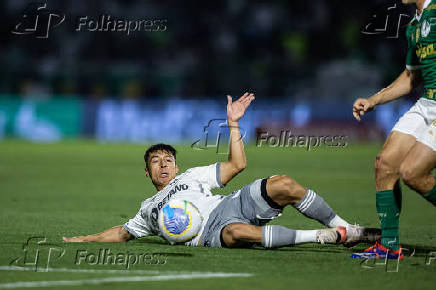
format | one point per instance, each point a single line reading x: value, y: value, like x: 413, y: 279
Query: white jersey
x: 193, y: 185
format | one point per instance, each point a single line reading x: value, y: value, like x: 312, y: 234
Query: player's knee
x: 383, y: 166
x: 284, y: 190
x: 289, y: 185
x: 409, y: 176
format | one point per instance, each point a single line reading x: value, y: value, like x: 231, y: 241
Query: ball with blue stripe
x: 179, y: 221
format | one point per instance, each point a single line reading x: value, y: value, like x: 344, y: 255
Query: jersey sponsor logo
x: 424, y: 51
x: 173, y: 191
x: 425, y: 28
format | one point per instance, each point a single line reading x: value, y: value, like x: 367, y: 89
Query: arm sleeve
x: 412, y: 61
x: 138, y: 226
x: 209, y: 175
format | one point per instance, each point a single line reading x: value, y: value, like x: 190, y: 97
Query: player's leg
x: 388, y: 191
x: 408, y: 129
x: 388, y: 161
x: 241, y: 234
x: 387, y: 175
x: 239, y: 220
x: 416, y: 171
x: 282, y: 190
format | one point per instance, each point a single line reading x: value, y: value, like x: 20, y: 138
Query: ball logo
x: 176, y: 220
x: 179, y: 221
x: 425, y: 28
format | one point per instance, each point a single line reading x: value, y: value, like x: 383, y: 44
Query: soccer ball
x: 179, y: 221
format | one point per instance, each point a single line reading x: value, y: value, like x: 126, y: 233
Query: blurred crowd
x: 298, y: 49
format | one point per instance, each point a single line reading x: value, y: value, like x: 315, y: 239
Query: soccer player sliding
x: 409, y: 151
x: 239, y: 219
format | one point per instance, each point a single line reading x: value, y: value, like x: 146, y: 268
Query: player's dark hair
x: 159, y: 147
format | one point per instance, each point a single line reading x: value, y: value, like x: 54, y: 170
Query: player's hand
x: 361, y: 106
x: 235, y: 110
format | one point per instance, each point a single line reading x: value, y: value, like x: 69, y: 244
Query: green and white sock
x: 389, y: 215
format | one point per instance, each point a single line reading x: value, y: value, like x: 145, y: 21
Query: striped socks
x: 278, y: 236
x: 313, y: 206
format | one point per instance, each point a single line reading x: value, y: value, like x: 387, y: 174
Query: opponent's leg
x: 416, y: 171
x: 283, y: 191
x: 240, y: 234
x: 387, y: 167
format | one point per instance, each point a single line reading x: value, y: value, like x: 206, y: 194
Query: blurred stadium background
x: 305, y: 60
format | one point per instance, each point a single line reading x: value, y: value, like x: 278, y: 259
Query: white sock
x: 337, y: 221
x: 305, y: 236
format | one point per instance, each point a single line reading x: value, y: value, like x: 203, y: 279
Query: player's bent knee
x: 386, y: 172
x: 409, y: 176
x: 288, y: 184
x: 284, y: 190
x: 383, y: 165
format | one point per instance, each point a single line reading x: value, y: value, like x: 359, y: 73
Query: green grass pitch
x: 80, y: 187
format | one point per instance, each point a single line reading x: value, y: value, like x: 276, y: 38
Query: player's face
x: 162, y: 168
x: 409, y: 1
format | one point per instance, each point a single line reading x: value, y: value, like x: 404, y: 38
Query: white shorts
x: 420, y: 122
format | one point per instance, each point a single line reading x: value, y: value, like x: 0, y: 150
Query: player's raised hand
x: 235, y: 110
x: 361, y: 106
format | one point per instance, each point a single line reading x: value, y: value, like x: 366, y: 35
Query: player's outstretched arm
x: 403, y: 85
x: 115, y: 234
x: 236, y: 160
